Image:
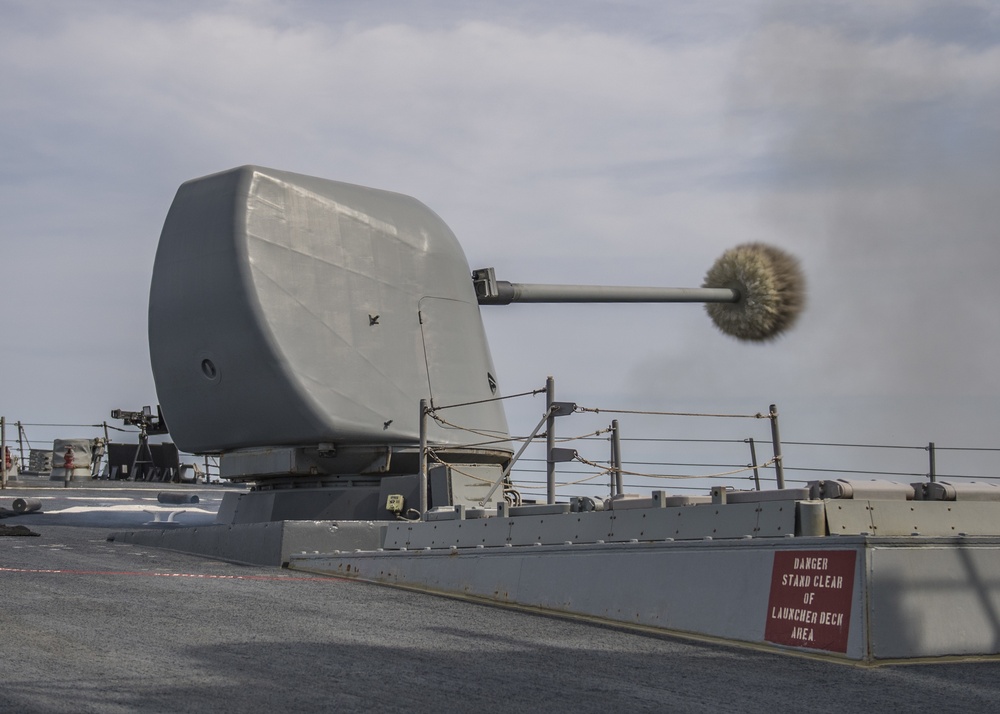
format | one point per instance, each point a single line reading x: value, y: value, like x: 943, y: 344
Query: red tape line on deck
x: 205, y: 576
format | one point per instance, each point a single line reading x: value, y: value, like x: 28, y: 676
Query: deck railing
x: 598, y: 452
x: 23, y: 439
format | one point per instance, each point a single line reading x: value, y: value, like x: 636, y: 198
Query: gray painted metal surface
x: 301, y: 504
x: 904, y: 518
x: 711, y: 588
x: 465, y: 485
x: 258, y: 543
x: 544, y: 293
x: 292, y: 310
x: 934, y: 597
x: 706, y: 570
x: 502, y: 292
x: 773, y: 518
x: 943, y: 491
x: 911, y: 597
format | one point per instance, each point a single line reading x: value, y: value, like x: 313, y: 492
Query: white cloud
x: 521, y: 137
x: 558, y: 151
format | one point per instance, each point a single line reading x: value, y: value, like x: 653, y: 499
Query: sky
x: 595, y: 142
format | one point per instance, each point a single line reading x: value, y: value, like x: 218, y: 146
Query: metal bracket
x: 563, y: 408
x: 485, y: 282
x: 559, y: 455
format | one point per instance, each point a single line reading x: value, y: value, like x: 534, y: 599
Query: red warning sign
x: 810, y: 602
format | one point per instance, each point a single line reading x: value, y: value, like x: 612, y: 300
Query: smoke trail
x: 882, y: 151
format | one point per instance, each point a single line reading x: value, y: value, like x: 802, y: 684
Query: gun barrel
x: 507, y: 292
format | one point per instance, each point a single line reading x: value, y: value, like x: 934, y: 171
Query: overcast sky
x: 604, y: 142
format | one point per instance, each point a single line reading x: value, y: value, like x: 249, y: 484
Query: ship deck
x: 93, y: 625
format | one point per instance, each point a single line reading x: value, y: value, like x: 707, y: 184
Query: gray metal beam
x: 507, y: 292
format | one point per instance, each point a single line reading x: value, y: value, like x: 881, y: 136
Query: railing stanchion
x: 616, y: 458
x: 753, y: 462
x: 423, y: 457
x: 550, y: 439
x: 932, y: 474
x: 20, y: 444
x: 779, y: 471
x: 3, y: 452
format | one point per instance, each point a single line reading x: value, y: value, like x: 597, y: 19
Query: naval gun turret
x: 296, y: 323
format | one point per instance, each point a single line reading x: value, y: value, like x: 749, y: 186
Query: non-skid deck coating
x: 90, y: 625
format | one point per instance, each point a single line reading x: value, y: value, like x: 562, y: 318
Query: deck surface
x: 94, y: 626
